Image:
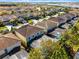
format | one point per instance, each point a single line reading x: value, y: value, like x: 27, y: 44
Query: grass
x: 3, y: 28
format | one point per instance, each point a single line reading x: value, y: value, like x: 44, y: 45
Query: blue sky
x: 39, y: 0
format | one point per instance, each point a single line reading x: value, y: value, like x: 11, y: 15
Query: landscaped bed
x: 2, y: 29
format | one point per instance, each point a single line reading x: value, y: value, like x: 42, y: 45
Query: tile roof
x: 46, y: 24
x: 62, y: 19
x: 28, y: 30
x: 67, y: 16
x: 58, y: 19
x: 7, y: 42
x: 11, y: 35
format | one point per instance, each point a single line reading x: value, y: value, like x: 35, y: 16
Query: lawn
x: 3, y: 28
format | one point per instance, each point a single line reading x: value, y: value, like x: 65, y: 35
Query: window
x: 42, y: 32
x: 33, y: 36
x: 38, y: 33
x: 29, y: 38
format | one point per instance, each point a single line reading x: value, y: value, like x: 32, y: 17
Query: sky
x: 39, y: 0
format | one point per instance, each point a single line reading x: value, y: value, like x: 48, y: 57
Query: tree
x: 14, y: 22
x: 49, y: 50
x: 35, y: 54
x: 53, y: 50
x: 70, y: 39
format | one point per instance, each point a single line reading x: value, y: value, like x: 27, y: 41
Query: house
x: 75, y: 12
x: 66, y: 26
x: 73, y: 15
x: 47, y: 25
x: 70, y: 16
x: 58, y: 20
x: 57, y: 33
x: 11, y: 35
x: 28, y: 33
x: 8, y: 46
x: 72, y: 22
x: 6, y: 18
x: 21, y: 19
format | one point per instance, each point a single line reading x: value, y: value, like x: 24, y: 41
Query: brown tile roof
x: 28, y: 30
x: 7, y: 42
x: 11, y: 35
x: 46, y: 24
x: 58, y: 19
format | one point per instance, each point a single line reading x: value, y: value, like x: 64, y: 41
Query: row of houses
x: 55, y: 22
x: 29, y: 33
x: 6, y: 18
x: 13, y: 21
x: 11, y: 42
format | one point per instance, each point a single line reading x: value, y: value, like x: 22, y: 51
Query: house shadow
x: 29, y: 47
x: 52, y: 36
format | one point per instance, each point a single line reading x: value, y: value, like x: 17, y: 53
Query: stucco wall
x: 22, y: 39
x: 13, y: 46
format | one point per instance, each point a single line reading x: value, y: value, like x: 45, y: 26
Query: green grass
x: 3, y: 28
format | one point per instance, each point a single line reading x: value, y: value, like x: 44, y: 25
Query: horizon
x: 39, y: 0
